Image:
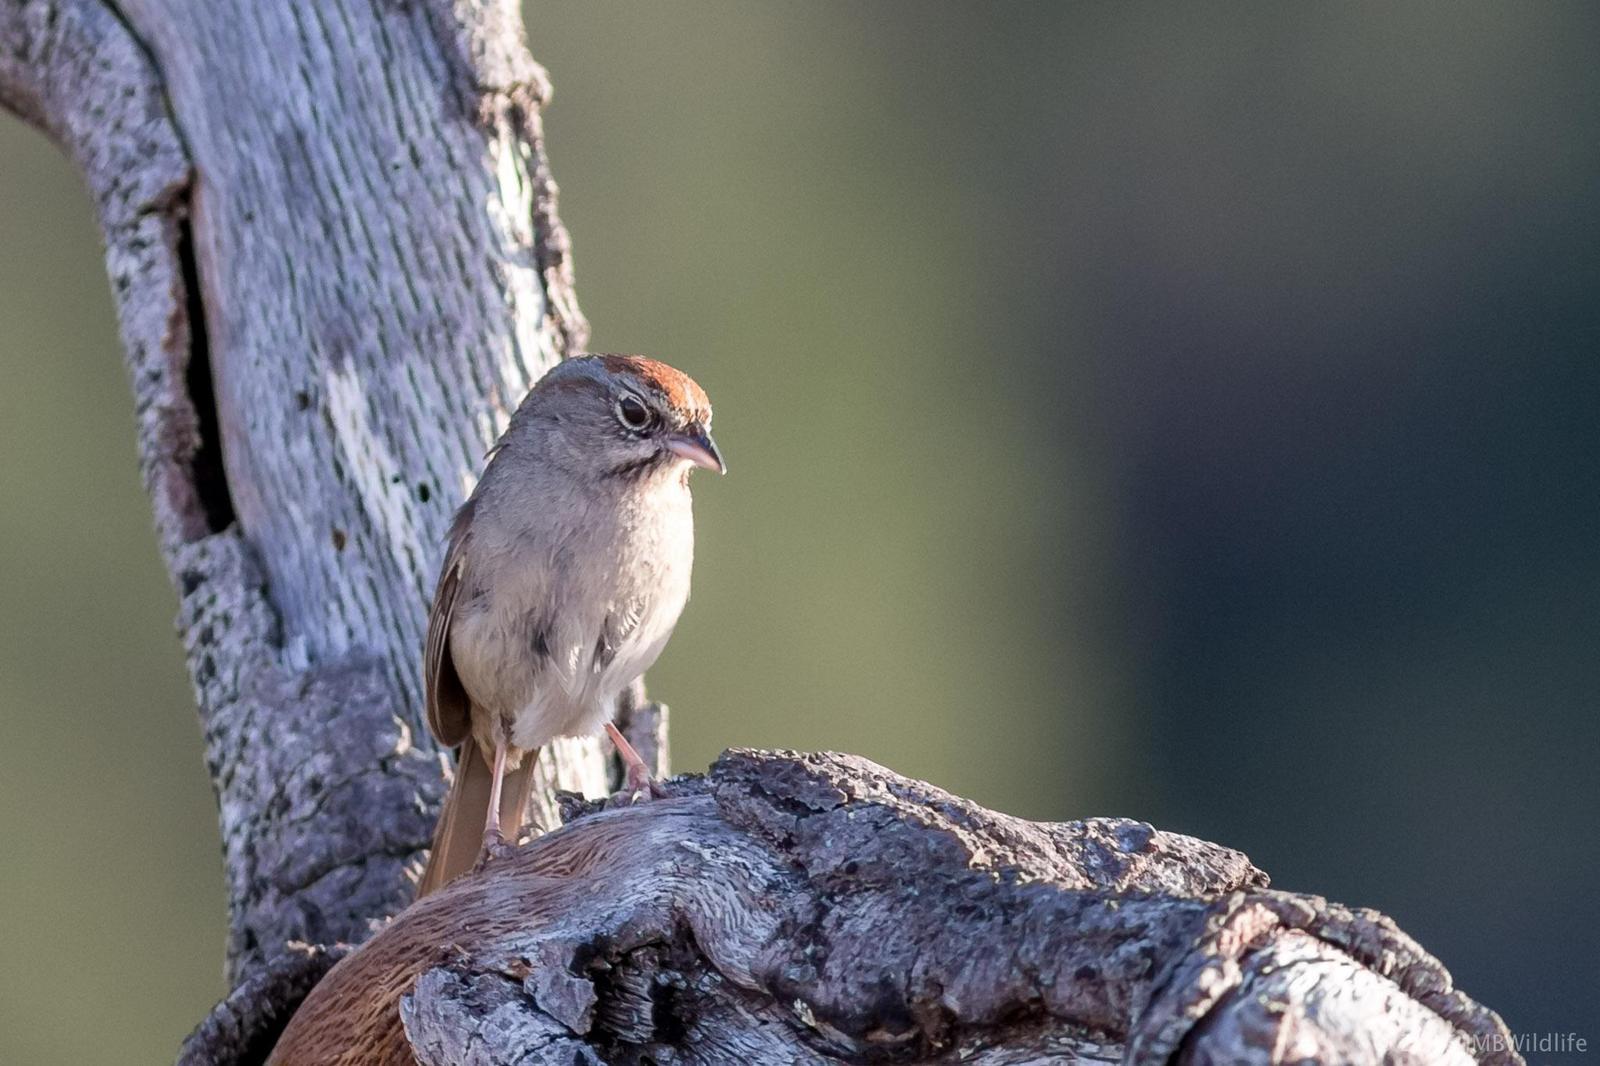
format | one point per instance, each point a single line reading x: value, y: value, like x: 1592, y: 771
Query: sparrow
x: 564, y: 575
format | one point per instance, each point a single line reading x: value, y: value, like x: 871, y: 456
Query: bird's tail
x: 458, y: 838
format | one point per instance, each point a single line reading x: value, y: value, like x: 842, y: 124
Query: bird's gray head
x: 618, y: 417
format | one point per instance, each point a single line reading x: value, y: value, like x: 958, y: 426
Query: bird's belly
x: 566, y: 687
x: 549, y: 657
x: 578, y: 702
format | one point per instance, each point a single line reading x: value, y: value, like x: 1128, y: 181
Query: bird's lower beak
x: 696, y: 445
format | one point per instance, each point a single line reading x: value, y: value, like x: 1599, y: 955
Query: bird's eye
x: 632, y: 412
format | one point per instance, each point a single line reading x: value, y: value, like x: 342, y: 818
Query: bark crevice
x: 206, y: 471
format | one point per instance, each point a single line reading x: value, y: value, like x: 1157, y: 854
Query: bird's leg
x: 637, y: 781
x: 493, y: 840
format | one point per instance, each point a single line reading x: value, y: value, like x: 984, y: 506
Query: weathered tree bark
x: 336, y: 261
x: 822, y: 909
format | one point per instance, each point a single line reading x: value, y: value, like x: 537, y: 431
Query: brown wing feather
x: 449, y: 710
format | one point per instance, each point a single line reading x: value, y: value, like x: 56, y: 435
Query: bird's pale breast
x: 572, y: 618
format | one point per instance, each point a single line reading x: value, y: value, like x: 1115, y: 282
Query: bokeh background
x: 1178, y: 413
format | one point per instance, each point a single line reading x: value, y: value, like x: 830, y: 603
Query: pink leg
x: 492, y: 837
x: 638, y: 778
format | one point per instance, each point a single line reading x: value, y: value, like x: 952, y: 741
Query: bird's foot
x: 638, y: 786
x: 495, y: 848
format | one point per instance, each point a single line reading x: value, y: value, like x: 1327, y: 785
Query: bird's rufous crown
x: 680, y: 390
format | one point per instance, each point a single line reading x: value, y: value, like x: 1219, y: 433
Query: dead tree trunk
x: 333, y: 246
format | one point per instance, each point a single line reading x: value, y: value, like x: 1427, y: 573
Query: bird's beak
x: 696, y: 445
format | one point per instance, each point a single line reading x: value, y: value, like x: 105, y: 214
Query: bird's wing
x: 449, y: 710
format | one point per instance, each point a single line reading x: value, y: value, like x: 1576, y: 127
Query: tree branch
x: 818, y: 908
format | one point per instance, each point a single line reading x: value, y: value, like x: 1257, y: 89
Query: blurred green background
x: 1178, y: 413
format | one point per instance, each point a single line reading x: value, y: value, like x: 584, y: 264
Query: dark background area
x: 1180, y: 413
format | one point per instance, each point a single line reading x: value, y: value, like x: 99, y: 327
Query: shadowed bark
x: 334, y: 251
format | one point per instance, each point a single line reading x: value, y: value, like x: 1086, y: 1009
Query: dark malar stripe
x: 635, y: 467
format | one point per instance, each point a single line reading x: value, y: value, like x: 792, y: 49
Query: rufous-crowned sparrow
x: 564, y: 575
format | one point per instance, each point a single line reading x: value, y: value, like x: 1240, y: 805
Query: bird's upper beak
x: 695, y: 445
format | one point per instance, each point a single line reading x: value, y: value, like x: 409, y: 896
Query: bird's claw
x: 495, y: 848
x: 638, y: 788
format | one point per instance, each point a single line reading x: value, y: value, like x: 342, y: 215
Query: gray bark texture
x: 336, y: 261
